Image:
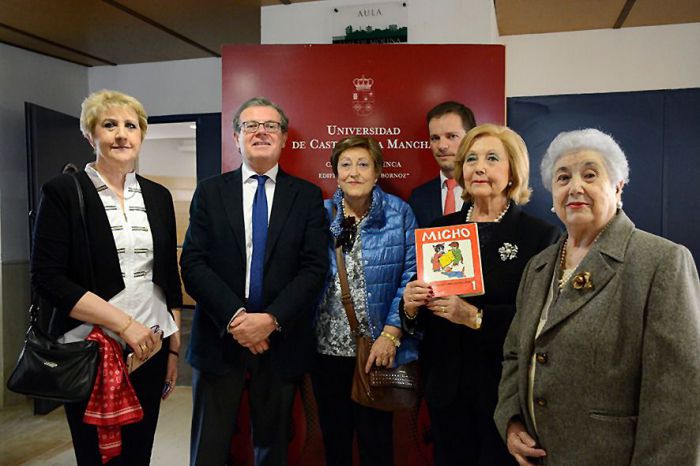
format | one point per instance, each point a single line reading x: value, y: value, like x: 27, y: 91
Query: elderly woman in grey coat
x: 602, y: 361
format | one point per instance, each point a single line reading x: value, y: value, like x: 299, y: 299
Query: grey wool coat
x: 617, y: 378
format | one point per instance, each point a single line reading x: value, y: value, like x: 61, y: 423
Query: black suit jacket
x: 451, y: 352
x: 60, y: 273
x: 214, y: 270
x: 426, y: 202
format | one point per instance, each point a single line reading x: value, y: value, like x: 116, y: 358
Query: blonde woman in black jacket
x: 132, y: 240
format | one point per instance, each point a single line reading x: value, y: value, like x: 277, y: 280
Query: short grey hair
x: 586, y: 139
x: 259, y: 102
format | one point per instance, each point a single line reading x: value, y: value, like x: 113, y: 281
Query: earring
x: 510, y: 182
x: 552, y: 209
x: 619, y: 205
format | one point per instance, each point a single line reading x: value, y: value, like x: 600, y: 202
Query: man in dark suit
x: 448, y: 122
x: 254, y: 293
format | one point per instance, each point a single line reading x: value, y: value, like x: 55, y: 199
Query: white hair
x: 586, y: 139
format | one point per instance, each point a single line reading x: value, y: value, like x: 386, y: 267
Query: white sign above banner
x: 376, y: 23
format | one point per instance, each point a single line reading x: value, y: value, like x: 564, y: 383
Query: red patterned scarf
x: 113, y: 402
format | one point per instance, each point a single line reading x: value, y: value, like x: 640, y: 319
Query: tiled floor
x: 45, y: 440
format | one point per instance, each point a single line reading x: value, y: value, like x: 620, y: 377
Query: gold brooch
x: 582, y: 280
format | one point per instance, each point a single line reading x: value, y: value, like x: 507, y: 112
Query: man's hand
x: 251, y: 330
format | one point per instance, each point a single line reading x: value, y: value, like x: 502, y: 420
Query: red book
x: 449, y: 259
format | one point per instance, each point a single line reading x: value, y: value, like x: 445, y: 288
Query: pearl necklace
x: 497, y: 220
x: 345, y: 209
x: 567, y: 273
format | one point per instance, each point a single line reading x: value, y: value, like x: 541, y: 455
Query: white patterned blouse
x: 140, y: 297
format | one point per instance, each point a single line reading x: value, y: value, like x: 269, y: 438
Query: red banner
x: 333, y: 91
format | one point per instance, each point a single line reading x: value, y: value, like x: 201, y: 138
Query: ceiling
x: 538, y: 16
x: 115, y: 32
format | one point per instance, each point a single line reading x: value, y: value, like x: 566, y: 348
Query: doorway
x: 178, y: 151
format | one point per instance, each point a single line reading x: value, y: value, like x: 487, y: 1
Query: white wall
x: 165, y: 88
x: 174, y: 157
x: 605, y: 60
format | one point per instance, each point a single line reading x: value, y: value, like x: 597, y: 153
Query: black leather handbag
x: 51, y: 370
x: 47, y: 369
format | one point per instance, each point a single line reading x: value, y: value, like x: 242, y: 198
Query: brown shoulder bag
x: 386, y: 389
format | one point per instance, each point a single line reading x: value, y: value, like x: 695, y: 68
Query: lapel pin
x: 582, y: 280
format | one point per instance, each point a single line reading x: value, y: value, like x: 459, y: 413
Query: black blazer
x: 214, y: 269
x: 426, y: 202
x: 58, y: 265
x: 448, y: 351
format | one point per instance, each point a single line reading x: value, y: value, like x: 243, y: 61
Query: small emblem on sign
x: 363, y: 96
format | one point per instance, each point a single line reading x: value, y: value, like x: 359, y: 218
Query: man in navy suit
x: 252, y: 322
x: 448, y: 122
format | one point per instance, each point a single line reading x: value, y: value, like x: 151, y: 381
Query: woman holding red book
x: 461, y: 351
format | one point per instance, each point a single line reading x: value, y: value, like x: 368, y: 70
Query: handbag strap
x: 34, y: 307
x: 81, y: 203
x: 345, y: 296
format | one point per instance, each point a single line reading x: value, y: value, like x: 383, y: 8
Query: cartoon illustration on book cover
x: 450, y: 263
x: 447, y: 260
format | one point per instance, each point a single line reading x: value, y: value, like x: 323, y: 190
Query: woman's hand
x: 94, y: 310
x: 383, y: 349
x: 455, y: 309
x: 141, y: 339
x: 416, y: 294
x: 521, y: 445
x: 171, y: 372
x: 173, y: 357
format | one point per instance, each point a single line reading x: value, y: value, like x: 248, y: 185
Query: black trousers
x: 137, y: 439
x: 340, y: 417
x: 216, y: 398
x: 463, y: 429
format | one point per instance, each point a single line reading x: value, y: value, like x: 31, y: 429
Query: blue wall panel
x: 681, y: 175
x: 660, y: 134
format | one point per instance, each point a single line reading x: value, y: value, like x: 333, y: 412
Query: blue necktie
x: 255, y: 292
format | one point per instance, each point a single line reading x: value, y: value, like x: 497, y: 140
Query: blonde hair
x: 99, y: 101
x: 519, y: 190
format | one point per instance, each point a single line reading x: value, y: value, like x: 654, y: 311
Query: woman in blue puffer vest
x: 380, y: 258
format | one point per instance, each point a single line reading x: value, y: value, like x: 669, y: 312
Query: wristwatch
x: 278, y: 327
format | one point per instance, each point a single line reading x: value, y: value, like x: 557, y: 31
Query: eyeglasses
x: 249, y: 127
